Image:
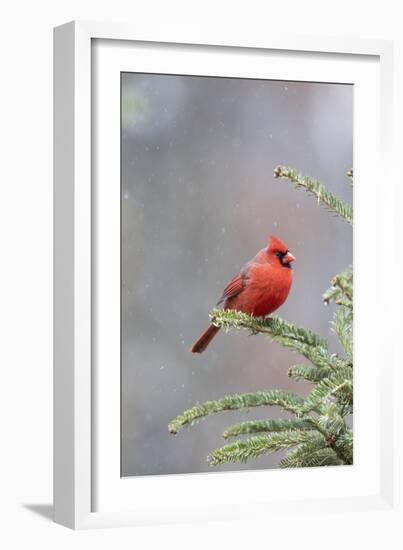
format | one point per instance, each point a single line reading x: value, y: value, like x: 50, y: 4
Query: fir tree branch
x: 344, y: 282
x: 330, y: 387
x: 287, y: 401
x: 308, y: 372
x: 345, y: 405
x: 295, y: 456
x: 343, y: 326
x: 259, y: 426
x: 298, y: 339
x: 341, y: 291
x: 330, y: 422
x: 241, y: 451
x: 307, y: 457
x: 343, y: 445
x: 275, y: 326
x: 324, y: 196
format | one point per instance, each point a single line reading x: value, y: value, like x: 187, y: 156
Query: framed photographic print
x: 208, y: 342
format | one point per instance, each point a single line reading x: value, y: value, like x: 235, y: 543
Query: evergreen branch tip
x: 325, y: 197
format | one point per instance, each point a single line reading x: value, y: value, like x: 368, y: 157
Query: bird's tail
x: 205, y: 339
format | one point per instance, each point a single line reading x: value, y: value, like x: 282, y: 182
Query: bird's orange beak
x: 288, y: 258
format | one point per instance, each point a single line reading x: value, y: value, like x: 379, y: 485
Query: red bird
x: 261, y: 287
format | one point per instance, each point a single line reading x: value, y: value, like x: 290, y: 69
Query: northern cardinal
x: 260, y: 288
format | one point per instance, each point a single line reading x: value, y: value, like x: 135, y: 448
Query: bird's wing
x: 233, y: 288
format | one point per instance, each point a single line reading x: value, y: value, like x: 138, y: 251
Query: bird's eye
x: 281, y: 255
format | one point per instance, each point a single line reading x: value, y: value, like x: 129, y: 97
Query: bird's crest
x: 276, y: 245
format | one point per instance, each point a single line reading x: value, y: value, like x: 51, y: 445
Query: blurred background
x: 199, y: 200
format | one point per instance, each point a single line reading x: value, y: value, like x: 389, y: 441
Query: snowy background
x: 198, y: 201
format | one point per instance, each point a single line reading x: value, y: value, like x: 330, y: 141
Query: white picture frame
x: 88, y: 491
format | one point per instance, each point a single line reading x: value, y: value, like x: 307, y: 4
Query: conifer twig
x: 286, y: 400
x: 343, y: 327
x: 317, y: 189
x: 259, y: 426
x: 329, y: 387
x: 298, y: 339
x: 308, y: 456
x: 308, y: 372
x: 241, y: 451
x: 341, y: 290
